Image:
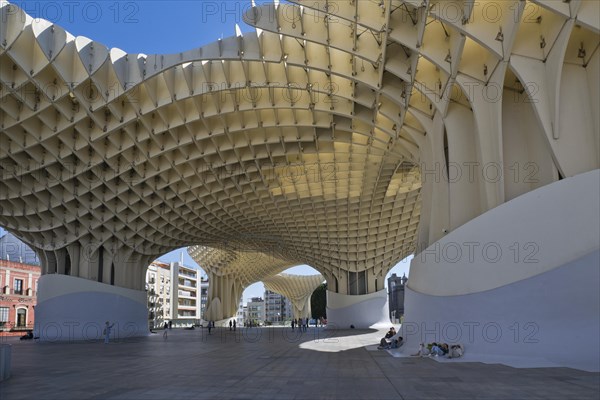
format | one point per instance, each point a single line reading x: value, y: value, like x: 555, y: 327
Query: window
x: 18, y: 286
x: 21, y: 318
x: 3, y: 314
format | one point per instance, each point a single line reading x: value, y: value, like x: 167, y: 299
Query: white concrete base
x: 5, y: 353
x: 552, y: 319
x: 521, y: 281
x: 72, y: 308
x: 362, y: 311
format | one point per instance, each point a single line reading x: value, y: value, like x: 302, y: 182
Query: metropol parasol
x: 345, y: 135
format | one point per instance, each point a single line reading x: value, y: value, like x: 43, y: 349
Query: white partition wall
x: 520, y: 283
x: 361, y: 311
x: 72, y: 309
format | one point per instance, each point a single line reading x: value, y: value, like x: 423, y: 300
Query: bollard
x: 5, y: 350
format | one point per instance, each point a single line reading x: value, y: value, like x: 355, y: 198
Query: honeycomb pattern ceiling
x: 297, y: 288
x: 303, y: 136
x: 246, y: 267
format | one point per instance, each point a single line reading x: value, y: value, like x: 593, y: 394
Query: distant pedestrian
x: 107, y: 329
x: 293, y: 323
x: 210, y: 325
x: 230, y: 324
x: 234, y: 324
x: 170, y: 325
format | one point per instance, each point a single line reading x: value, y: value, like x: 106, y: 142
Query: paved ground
x: 263, y: 364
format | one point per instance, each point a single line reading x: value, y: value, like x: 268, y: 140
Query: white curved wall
x: 72, y: 308
x: 541, y: 304
x: 534, y: 233
x: 552, y: 319
x: 362, y: 311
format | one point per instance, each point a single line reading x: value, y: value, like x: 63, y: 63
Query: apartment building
x: 158, y: 285
x: 176, y: 294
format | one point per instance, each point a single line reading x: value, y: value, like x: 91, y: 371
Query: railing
x: 188, y: 284
x: 12, y: 292
x: 12, y: 327
x: 190, y: 274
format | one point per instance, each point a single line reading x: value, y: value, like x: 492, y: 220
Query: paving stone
x: 192, y: 365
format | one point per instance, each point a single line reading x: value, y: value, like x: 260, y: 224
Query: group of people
x: 390, y: 340
x: 301, y: 323
x: 435, y: 349
x: 232, y: 324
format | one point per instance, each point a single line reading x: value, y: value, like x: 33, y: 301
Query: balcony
x: 188, y: 274
x: 188, y: 284
x: 191, y: 295
x: 11, y: 292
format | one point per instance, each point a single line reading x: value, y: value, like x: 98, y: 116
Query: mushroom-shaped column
x: 297, y: 288
x: 230, y: 272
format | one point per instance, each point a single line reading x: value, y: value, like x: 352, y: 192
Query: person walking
x: 230, y: 324
x: 293, y: 323
x: 234, y: 324
x: 107, y: 329
x: 210, y: 325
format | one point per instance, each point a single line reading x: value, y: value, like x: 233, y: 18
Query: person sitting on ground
x: 387, y: 341
x: 456, y: 351
x: 439, y: 349
x: 390, y: 333
x: 391, y: 343
x: 398, y: 342
x: 27, y: 336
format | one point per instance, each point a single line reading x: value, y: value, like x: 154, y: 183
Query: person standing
x: 293, y: 323
x: 209, y: 326
x: 107, y: 329
x: 234, y: 324
x: 230, y: 324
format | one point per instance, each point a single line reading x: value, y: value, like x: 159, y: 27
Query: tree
x: 318, y: 302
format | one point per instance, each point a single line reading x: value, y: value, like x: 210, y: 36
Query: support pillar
x: 224, y: 293
x: 75, y: 302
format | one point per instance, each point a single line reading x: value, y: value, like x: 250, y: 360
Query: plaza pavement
x: 266, y: 364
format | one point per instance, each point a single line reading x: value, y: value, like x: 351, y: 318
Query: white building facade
x: 174, y: 294
x: 159, y: 289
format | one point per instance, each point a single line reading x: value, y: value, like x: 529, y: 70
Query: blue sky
x: 148, y: 27
x: 157, y: 27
